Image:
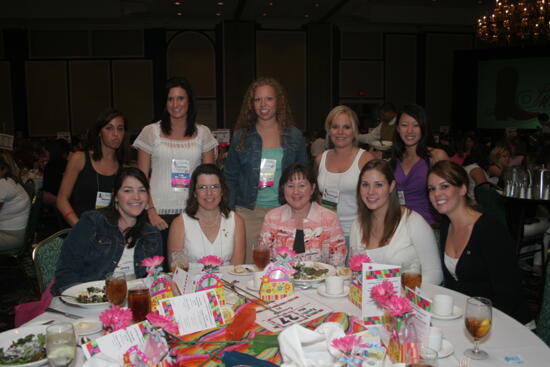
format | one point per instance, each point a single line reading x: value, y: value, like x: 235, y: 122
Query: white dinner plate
x: 457, y: 312
x: 8, y: 337
x: 87, y: 326
x: 322, y: 290
x: 75, y: 290
x: 331, y: 271
x: 243, y: 269
x: 446, y: 349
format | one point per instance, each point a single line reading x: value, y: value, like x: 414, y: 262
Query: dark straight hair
x: 398, y: 148
x: 192, y: 203
x: 111, y: 211
x: 94, y: 142
x: 298, y: 169
x: 165, y: 122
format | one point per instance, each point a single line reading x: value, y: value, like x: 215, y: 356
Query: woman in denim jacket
x: 264, y: 144
x: 116, y: 238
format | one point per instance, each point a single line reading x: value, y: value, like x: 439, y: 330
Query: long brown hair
x: 247, y: 117
x: 456, y: 176
x: 364, y: 214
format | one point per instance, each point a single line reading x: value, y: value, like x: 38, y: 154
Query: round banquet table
x: 506, y: 338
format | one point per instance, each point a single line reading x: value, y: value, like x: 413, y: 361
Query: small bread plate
x: 446, y: 349
x: 10, y: 336
x: 243, y: 269
x: 313, y: 281
x: 69, y: 295
x: 344, y: 272
x: 457, y: 312
x: 250, y: 285
x: 322, y: 290
x: 87, y: 327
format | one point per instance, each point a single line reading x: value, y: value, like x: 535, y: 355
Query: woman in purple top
x: 412, y: 159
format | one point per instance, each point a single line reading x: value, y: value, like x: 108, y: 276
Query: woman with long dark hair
x: 411, y: 160
x: 388, y: 232
x: 169, y: 150
x: 88, y: 179
x: 114, y: 238
x: 208, y: 226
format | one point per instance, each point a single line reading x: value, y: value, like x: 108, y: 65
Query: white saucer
x: 446, y: 349
x: 87, y: 326
x: 457, y: 312
x: 250, y: 285
x: 323, y: 292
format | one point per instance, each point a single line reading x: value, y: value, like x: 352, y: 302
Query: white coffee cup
x: 443, y: 305
x: 435, y: 338
x: 334, y: 285
x: 258, y: 279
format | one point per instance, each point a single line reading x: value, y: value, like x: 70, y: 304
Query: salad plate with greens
x: 23, y: 347
x: 310, y: 273
x: 87, y: 295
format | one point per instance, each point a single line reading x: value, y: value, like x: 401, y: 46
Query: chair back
x: 45, y: 256
x: 543, y: 323
x: 490, y: 201
x: 34, y: 216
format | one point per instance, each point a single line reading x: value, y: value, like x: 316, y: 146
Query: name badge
x: 401, y: 196
x: 330, y: 199
x: 181, y: 174
x: 267, y: 173
x: 102, y: 200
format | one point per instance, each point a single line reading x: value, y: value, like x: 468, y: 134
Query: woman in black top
x: 88, y: 180
x: 477, y: 251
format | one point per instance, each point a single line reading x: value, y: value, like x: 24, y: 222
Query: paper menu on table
x: 115, y: 344
x: 194, y: 311
x: 297, y: 308
x: 374, y: 274
x: 422, y: 316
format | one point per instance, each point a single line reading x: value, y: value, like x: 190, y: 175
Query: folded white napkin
x: 301, y: 347
x: 101, y: 360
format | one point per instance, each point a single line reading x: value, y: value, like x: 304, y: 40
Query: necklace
x: 213, y: 223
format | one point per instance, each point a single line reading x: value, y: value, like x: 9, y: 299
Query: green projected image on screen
x: 513, y: 92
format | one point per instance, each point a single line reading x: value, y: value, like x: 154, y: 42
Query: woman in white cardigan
x: 389, y: 233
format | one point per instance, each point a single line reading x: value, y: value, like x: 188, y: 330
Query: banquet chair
x: 490, y: 201
x: 45, y: 256
x: 543, y: 324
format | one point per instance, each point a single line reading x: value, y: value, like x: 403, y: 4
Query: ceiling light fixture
x: 521, y: 21
x: 264, y: 14
x: 220, y: 3
x: 177, y: 3
x: 179, y: 14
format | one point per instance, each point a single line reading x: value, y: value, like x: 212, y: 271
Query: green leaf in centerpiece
x: 262, y: 342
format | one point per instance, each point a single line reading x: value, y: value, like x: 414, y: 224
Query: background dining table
x: 507, y: 337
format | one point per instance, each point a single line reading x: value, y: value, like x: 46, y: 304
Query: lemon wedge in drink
x: 483, y: 328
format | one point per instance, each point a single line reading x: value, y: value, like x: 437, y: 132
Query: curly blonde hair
x: 247, y: 116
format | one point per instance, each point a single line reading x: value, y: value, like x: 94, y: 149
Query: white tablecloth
x: 506, y: 338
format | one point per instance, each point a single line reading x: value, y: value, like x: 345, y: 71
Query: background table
x: 506, y: 338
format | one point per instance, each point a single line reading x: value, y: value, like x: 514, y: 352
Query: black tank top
x: 87, y: 184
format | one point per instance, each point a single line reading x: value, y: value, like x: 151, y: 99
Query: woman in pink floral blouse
x: 301, y: 223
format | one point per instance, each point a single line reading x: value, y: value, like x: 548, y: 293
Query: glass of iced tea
x: 115, y: 287
x: 412, y: 277
x: 179, y: 259
x: 478, y: 320
x: 261, y: 255
x: 139, y: 302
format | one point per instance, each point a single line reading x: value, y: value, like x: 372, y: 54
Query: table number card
x: 422, y: 308
x: 374, y: 274
x: 194, y: 311
x: 295, y: 309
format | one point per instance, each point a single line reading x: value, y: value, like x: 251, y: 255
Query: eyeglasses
x: 203, y: 188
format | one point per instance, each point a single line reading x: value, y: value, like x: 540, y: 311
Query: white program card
x: 422, y: 316
x: 294, y: 309
x: 115, y: 344
x: 374, y: 274
x: 194, y: 311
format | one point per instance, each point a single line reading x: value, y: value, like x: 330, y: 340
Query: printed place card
x: 115, y: 344
x: 374, y: 274
x: 422, y: 308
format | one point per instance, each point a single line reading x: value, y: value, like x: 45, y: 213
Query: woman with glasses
x: 301, y: 224
x: 207, y: 226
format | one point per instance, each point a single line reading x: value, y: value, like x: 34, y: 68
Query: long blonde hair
x: 248, y: 118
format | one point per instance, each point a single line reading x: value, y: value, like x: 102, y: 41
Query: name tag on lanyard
x: 180, y: 175
x: 267, y: 173
x: 102, y: 200
x: 330, y: 199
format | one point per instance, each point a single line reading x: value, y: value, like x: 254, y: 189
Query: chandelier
x: 520, y: 22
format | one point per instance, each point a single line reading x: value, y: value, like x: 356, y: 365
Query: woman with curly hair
x: 265, y: 142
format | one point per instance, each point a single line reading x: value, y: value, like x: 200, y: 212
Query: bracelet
x: 68, y: 213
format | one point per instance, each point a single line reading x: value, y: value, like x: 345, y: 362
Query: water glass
x: 60, y: 344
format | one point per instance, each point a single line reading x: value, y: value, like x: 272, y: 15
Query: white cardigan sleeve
x: 423, y: 239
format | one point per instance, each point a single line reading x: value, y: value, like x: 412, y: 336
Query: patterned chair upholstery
x: 543, y: 324
x: 45, y: 257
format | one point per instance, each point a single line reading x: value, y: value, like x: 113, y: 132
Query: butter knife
x: 66, y: 314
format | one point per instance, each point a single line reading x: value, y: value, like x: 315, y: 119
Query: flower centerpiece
x: 356, y: 288
x: 284, y: 257
x: 397, y: 321
x: 277, y: 279
x: 153, y: 264
x: 211, y: 264
x: 115, y: 318
x: 351, y: 350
